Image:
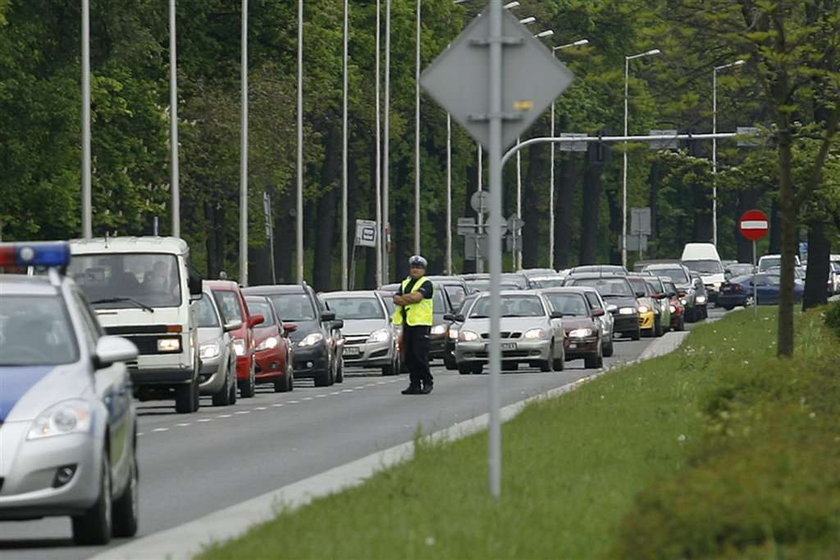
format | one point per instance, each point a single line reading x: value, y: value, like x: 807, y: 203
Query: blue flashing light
x: 44, y: 253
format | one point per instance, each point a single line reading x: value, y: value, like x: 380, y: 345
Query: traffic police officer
x: 415, y: 313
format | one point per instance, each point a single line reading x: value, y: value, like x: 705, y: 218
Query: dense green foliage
x: 832, y: 317
x: 40, y: 134
x: 719, y: 449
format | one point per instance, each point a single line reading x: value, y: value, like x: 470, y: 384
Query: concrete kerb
x: 187, y: 540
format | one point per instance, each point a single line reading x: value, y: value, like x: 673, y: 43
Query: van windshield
x: 704, y: 267
x: 128, y: 280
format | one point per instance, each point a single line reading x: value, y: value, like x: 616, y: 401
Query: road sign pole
x: 755, y: 287
x: 495, y: 242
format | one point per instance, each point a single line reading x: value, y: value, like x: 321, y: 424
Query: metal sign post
x: 754, y: 225
x: 524, y: 78
x: 755, y: 286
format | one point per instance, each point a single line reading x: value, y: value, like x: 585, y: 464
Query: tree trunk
x: 787, y: 219
x: 816, y: 279
x: 655, y: 180
x: 533, y: 242
x: 327, y: 222
x: 564, y: 207
x: 775, y: 229
x: 590, y: 218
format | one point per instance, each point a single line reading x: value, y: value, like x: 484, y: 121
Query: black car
x: 620, y: 297
x: 317, y: 342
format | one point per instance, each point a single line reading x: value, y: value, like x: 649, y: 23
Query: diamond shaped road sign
x: 459, y: 79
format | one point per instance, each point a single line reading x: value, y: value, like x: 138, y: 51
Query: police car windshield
x: 293, y: 307
x: 126, y: 280
x: 35, y: 331
x: 356, y: 308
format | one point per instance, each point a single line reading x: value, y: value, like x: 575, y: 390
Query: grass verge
x: 577, y: 469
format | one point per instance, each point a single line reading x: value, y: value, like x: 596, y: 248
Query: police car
x: 68, y: 426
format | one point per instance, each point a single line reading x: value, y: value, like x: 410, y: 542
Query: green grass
x: 574, y: 467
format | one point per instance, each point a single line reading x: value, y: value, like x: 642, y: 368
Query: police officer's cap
x: 417, y: 260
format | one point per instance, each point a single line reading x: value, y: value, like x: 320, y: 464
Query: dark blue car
x: 739, y: 290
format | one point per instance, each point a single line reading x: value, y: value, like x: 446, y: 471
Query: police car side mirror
x: 111, y: 349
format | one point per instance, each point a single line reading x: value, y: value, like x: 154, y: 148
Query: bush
x: 832, y: 317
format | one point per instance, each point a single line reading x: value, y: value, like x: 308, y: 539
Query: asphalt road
x: 195, y: 464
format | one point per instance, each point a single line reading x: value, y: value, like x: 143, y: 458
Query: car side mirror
x: 338, y: 324
x: 681, y: 293
x: 255, y: 320
x: 194, y: 282
x: 598, y: 312
x: 289, y: 328
x: 612, y: 308
x: 640, y: 294
x: 556, y: 315
x: 110, y: 349
x: 232, y: 325
x: 328, y: 316
x: 449, y: 317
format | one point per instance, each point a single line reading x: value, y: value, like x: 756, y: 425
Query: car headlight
x: 716, y: 285
x: 683, y: 301
x: 700, y: 299
x: 169, y: 345
x: 209, y: 350
x: 268, y: 343
x: 311, y: 339
x: 438, y: 329
x: 672, y: 309
x: 643, y: 309
x: 627, y: 311
x: 453, y: 333
x: 239, y: 346
x: 382, y: 335
x: 581, y: 333
x: 67, y: 417
x: 468, y: 336
x: 534, y: 334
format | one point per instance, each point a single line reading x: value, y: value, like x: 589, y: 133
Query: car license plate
x: 352, y: 350
x: 508, y: 346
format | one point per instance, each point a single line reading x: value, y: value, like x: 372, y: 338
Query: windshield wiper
x: 478, y: 316
x: 140, y: 304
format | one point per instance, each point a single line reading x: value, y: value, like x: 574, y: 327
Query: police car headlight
x: 209, y: 350
x: 534, y: 334
x: 701, y: 299
x: 439, y: 329
x: 580, y: 333
x: 643, y: 309
x: 626, y: 311
x: 239, y: 347
x: 169, y: 345
x: 268, y: 343
x: 67, y: 417
x: 672, y: 309
x: 311, y: 339
x: 382, y: 335
x: 467, y: 336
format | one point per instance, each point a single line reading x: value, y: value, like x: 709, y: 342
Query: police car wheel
x: 94, y: 525
x: 125, y: 507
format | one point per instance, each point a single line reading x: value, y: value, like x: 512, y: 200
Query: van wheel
x: 186, y: 398
x: 126, y: 515
x: 94, y: 525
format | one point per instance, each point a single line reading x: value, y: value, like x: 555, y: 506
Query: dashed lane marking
x: 243, y: 412
x: 204, y: 420
x: 161, y: 430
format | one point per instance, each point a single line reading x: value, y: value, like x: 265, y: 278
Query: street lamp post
x: 173, y: 123
x: 87, y: 205
x: 578, y: 43
x: 417, y: 132
x: 378, y: 158
x: 299, y: 240
x: 627, y: 60
x: 344, y: 264
x: 243, y: 156
x: 738, y: 62
x: 385, y: 148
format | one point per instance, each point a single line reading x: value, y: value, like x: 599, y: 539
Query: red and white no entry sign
x: 754, y: 224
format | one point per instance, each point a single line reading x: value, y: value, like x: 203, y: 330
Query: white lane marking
x: 140, y: 434
x: 335, y: 393
x: 224, y: 415
x: 293, y: 402
x: 261, y: 408
x: 204, y: 420
x: 243, y: 412
x: 306, y: 399
x: 320, y: 396
x: 161, y: 430
x: 347, y: 390
x: 277, y: 405
x: 183, y: 424
x: 381, y: 382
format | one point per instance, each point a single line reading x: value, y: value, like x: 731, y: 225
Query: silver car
x: 69, y: 428
x: 531, y: 333
x: 215, y: 345
x: 370, y: 339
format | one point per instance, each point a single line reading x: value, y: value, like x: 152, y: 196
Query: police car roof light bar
x: 43, y: 253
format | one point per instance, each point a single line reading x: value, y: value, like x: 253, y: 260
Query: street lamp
x: 738, y: 62
x: 578, y: 43
x: 87, y: 207
x: 385, y: 147
x: 299, y: 240
x: 627, y: 60
x: 378, y: 174
x: 243, y: 156
x: 173, y: 123
x: 417, y: 131
x: 344, y: 265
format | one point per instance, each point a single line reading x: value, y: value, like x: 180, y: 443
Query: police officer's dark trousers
x: 416, y: 342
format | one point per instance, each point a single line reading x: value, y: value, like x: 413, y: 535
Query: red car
x: 232, y: 304
x: 273, y: 350
x: 677, y: 307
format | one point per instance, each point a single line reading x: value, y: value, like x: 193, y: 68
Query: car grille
x: 507, y: 354
x: 504, y: 334
x: 355, y: 339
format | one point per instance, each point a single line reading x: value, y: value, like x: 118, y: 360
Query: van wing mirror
x: 194, y: 282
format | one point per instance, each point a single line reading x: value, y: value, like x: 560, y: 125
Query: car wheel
x: 186, y: 397
x: 548, y: 365
x: 126, y: 514
x: 658, y: 329
x: 449, y: 362
x: 609, y: 348
x: 248, y: 387
x: 325, y: 378
x: 94, y: 525
x: 594, y: 362
x: 477, y: 369
x: 339, y: 371
x: 222, y: 397
x: 233, y: 387
x: 464, y: 369
x: 636, y: 335
x: 284, y: 384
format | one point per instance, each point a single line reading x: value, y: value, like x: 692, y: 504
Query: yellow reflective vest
x: 417, y: 314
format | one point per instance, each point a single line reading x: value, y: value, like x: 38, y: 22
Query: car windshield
x: 554, y: 282
x: 456, y: 293
x: 35, y: 331
x: 125, y: 280
x: 228, y: 303
x: 484, y: 285
x: 639, y: 286
x: 512, y: 306
x: 606, y: 286
x: 568, y: 304
x: 261, y: 307
x: 766, y: 263
x: 704, y: 267
x: 670, y: 288
x: 678, y: 275
x: 205, y: 312
x: 293, y: 307
x: 359, y: 308
x: 654, y: 284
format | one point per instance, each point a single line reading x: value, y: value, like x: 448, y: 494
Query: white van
x: 141, y: 288
x: 703, y: 259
